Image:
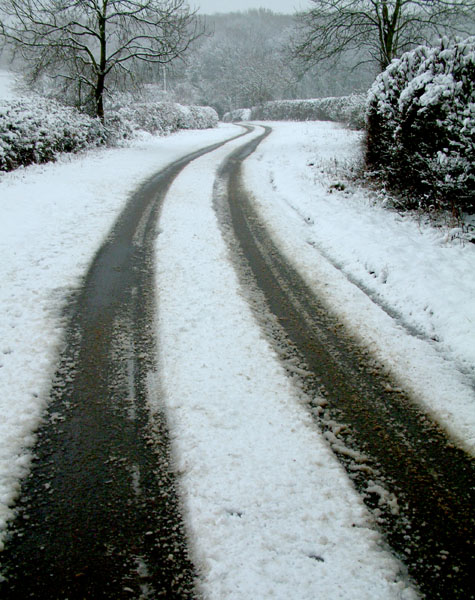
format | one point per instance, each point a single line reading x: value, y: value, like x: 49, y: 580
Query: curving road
x: 100, y: 516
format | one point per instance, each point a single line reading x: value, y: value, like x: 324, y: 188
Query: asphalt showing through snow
x: 99, y: 515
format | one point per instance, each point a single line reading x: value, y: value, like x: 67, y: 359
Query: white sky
x: 282, y: 6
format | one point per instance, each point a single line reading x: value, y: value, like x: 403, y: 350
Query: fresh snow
x: 369, y: 263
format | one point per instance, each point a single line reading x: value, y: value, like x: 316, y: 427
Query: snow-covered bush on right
x: 421, y: 126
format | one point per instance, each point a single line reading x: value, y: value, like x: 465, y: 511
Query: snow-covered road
x: 271, y: 513
x: 53, y: 219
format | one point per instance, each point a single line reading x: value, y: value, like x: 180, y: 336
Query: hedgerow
x: 126, y: 116
x: 421, y: 126
x: 37, y: 129
x: 346, y: 109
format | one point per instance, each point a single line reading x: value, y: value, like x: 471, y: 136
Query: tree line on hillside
x: 247, y: 61
x: 85, y: 50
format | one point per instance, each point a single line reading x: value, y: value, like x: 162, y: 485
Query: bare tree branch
x: 89, y: 41
x: 382, y: 28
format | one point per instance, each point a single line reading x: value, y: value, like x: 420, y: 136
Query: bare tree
x: 94, y: 43
x: 383, y: 29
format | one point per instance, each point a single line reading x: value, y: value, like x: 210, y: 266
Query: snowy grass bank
x: 368, y: 261
x: 53, y: 218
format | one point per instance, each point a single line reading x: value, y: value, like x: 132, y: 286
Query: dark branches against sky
x: 382, y: 29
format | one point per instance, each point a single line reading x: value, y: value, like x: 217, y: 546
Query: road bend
x: 417, y: 483
x: 99, y: 515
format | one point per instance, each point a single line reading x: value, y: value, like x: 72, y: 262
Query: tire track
x: 418, y: 485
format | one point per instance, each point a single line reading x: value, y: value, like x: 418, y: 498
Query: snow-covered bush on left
x: 36, y: 130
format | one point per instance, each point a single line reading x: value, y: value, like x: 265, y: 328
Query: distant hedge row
x: 36, y: 130
x: 345, y: 109
x: 421, y: 126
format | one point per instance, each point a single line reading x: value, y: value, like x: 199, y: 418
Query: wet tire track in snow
x: 418, y: 485
x: 99, y: 515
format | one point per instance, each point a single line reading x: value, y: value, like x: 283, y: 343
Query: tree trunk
x: 101, y: 75
x: 100, y: 96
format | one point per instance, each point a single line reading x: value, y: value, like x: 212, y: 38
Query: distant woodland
x: 244, y: 60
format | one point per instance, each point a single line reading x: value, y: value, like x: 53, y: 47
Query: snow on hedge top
x: 36, y: 129
x: 126, y: 116
x: 445, y: 71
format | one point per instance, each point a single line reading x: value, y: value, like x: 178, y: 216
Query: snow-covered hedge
x: 35, y: 130
x: 345, y: 109
x: 124, y: 120
x: 421, y: 125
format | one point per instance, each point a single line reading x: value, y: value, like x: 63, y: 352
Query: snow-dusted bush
x: 346, y: 109
x: 421, y: 125
x: 198, y: 117
x: 36, y: 130
x: 383, y: 107
x: 124, y: 120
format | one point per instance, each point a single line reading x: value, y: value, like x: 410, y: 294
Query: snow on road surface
x: 367, y: 261
x: 270, y: 510
x: 53, y: 218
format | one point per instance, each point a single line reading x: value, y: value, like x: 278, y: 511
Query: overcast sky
x: 282, y: 6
